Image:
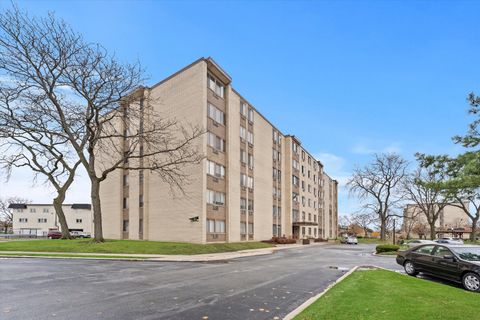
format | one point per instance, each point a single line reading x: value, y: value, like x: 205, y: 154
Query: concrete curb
x: 307, y: 303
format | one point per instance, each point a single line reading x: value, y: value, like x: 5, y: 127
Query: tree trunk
x: 383, y: 229
x: 473, y: 235
x: 58, y: 206
x: 97, y: 210
x: 433, y: 235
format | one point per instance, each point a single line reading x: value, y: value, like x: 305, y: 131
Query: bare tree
x: 6, y: 213
x: 364, y: 220
x: 468, y: 199
x: 411, y: 217
x: 378, y: 184
x: 421, y: 188
x: 28, y: 139
x: 421, y: 229
x: 94, y: 102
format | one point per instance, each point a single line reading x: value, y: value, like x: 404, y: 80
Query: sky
x: 349, y: 78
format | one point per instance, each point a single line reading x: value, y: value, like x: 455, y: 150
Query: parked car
x: 349, y: 240
x: 415, y: 243
x: 79, y: 234
x: 458, y: 263
x: 54, y: 234
x: 447, y: 240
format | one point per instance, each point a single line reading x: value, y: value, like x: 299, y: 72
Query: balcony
x: 303, y: 222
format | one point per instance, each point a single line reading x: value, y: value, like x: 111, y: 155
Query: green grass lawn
x: 380, y: 294
x: 126, y: 246
x: 373, y: 240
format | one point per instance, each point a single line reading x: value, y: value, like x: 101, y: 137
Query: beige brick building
x: 38, y: 219
x: 254, y: 183
x: 450, y: 218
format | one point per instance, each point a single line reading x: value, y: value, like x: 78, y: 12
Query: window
x: 33, y: 210
x: 295, y: 180
x: 274, y: 191
x: 210, y: 226
x: 125, y: 180
x: 125, y: 226
x: 243, y: 156
x: 79, y: 220
x: 250, y: 161
x: 303, y: 155
x: 19, y: 210
x: 303, y: 215
x: 243, y: 228
x: 42, y: 220
x: 250, y: 228
x: 309, y: 217
x: 243, y: 180
x: 295, y: 215
x: 279, y: 211
x: 243, y: 109
x: 309, y: 189
x: 140, y: 201
x: 424, y: 249
x: 215, y: 226
x: 250, y: 182
x: 274, y: 136
x: 250, y: 115
x: 243, y: 133
x: 250, y: 137
x: 274, y: 173
x: 274, y: 211
x: 295, y: 164
x: 243, y: 204
x: 309, y: 160
x: 215, y: 85
x: 23, y: 220
x: 295, y: 197
x: 215, y: 197
x: 140, y: 225
x: 314, y: 218
x: 216, y: 114
x: 215, y: 169
x: 45, y: 210
x: 303, y: 201
x: 442, y: 251
x: 140, y: 176
x: 295, y: 148
x: 216, y: 142
x: 125, y: 203
x: 219, y: 226
x: 250, y: 205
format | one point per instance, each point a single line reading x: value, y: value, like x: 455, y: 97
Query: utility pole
x: 394, y: 230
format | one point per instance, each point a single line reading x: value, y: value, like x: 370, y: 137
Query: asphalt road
x: 262, y: 287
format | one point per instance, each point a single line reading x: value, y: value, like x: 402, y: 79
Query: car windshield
x: 469, y: 254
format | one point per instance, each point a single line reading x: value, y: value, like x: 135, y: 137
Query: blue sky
x: 360, y: 76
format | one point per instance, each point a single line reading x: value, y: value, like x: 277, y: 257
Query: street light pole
x: 394, y: 230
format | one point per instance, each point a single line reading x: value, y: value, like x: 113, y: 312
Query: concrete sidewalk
x: 222, y: 256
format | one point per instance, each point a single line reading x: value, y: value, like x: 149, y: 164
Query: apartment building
x: 38, y: 219
x: 451, y: 219
x: 254, y: 183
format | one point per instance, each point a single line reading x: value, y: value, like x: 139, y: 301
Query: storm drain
x: 339, y: 268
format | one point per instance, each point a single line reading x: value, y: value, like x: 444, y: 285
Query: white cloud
x: 366, y: 149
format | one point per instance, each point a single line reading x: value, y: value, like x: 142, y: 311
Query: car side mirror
x: 449, y: 257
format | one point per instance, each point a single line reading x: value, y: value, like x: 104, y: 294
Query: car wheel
x: 410, y: 268
x: 50, y: 238
x: 471, y: 282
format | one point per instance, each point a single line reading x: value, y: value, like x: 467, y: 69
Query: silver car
x: 447, y: 240
x: 351, y: 240
x: 415, y: 243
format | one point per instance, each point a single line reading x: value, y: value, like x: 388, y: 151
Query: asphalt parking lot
x: 262, y: 287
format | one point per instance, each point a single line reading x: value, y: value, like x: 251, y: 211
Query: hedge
x: 387, y: 248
